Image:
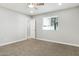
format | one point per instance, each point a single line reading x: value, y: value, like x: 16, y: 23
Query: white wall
x: 68, y: 28
x: 13, y: 26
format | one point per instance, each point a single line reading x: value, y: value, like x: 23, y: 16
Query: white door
x: 32, y: 28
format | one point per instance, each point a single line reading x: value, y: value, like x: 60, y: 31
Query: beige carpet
x: 33, y: 47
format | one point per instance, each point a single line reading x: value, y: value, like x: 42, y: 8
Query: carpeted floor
x: 33, y: 47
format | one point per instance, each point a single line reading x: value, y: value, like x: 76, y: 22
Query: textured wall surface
x: 68, y: 28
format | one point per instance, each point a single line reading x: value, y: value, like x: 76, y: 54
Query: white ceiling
x: 48, y: 7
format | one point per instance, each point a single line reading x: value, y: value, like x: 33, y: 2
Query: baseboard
x: 30, y: 37
x: 40, y: 39
x: 12, y: 42
x: 76, y: 45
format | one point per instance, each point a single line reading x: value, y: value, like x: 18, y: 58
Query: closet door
x: 32, y: 28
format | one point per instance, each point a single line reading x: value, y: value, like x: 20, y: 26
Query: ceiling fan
x: 35, y: 5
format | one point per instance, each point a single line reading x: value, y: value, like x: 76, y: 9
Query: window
x: 50, y: 23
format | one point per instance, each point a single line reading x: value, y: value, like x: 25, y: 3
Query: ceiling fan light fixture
x: 30, y: 6
x: 35, y: 5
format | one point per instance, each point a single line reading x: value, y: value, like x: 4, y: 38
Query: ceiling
x: 48, y: 7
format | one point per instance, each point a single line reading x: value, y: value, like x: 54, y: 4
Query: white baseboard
x: 30, y: 37
x: 12, y: 42
x: 76, y: 45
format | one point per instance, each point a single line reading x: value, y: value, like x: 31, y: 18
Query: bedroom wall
x: 68, y: 28
x: 13, y: 26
